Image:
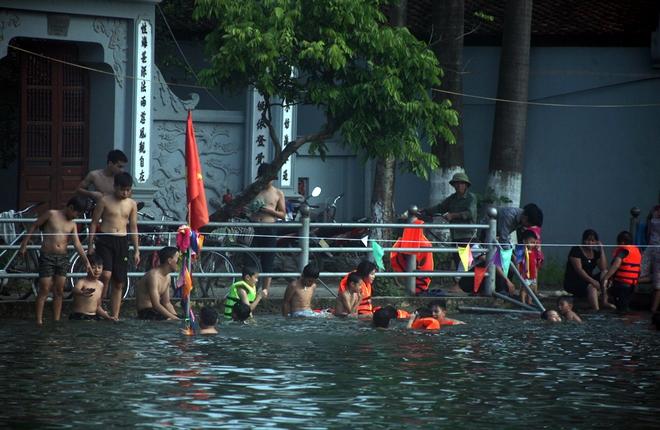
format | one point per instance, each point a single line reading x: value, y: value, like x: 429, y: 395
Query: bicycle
x: 14, y: 264
x: 238, y: 236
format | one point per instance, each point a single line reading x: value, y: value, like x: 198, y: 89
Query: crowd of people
x: 107, y: 260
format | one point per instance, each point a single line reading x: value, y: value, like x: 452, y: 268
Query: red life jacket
x: 412, y: 238
x: 366, y: 306
x: 630, y: 267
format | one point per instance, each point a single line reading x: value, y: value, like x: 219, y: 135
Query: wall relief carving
x: 170, y: 100
x: 220, y: 155
x: 7, y: 19
x: 117, y: 32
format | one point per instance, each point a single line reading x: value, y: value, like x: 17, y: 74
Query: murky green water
x: 497, y: 372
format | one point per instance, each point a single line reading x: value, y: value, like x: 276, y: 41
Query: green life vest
x: 233, y: 297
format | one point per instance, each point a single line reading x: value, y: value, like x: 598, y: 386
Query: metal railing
x: 304, y: 248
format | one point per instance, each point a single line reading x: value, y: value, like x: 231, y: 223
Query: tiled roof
x: 554, y: 22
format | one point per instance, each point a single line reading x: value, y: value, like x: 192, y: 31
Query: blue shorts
x: 307, y: 313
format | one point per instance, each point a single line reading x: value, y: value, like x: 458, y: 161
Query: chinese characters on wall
x: 142, y: 121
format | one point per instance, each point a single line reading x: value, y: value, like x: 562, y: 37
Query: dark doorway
x: 54, y: 133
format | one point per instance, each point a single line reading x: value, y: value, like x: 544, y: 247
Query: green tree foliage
x: 370, y: 81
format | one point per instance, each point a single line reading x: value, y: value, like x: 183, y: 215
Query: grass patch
x: 551, y: 274
x: 387, y: 287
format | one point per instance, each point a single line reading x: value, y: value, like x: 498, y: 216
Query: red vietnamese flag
x: 198, y: 213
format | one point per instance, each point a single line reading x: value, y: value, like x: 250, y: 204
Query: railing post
x: 411, y: 259
x: 634, y: 222
x: 303, y: 237
x: 491, y: 240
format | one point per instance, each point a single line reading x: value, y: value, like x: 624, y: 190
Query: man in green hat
x: 458, y: 208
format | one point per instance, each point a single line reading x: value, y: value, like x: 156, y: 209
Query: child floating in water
x: 423, y: 319
x: 240, y: 312
x: 438, y: 308
x: 381, y: 318
x: 208, y: 318
x: 550, y: 315
x: 565, y: 306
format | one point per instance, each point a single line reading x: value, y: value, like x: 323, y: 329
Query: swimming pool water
x: 498, y: 371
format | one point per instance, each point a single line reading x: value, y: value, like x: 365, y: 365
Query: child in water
x: 565, y: 306
x: 550, y: 315
x: 348, y: 300
x: 423, y: 319
x: 208, y: 318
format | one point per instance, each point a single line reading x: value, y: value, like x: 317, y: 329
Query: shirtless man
x: 265, y: 237
x: 298, y: 295
x: 116, y: 210
x: 103, y: 179
x: 349, y: 299
x: 58, y: 227
x: 153, y: 291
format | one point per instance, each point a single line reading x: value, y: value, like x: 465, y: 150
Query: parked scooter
x: 338, y: 237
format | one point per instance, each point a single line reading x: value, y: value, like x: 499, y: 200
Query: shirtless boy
x: 87, y: 294
x: 58, y: 227
x: 116, y: 210
x: 298, y: 295
x: 349, y: 299
x: 265, y: 237
x: 103, y: 179
x: 438, y: 308
x: 565, y: 306
x: 153, y: 291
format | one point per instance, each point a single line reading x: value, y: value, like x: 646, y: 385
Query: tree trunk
x: 507, y: 148
x: 382, y: 198
x: 447, y: 45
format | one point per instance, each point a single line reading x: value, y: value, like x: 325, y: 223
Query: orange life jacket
x: 628, y: 272
x: 400, y: 313
x: 413, y: 238
x: 366, y: 306
x: 428, y: 323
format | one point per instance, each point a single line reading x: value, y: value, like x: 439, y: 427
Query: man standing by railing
x: 266, y: 207
x: 458, y: 208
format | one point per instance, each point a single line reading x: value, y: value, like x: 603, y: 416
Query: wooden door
x: 54, y: 124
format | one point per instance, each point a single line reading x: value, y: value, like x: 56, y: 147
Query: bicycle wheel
x: 146, y: 264
x: 30, y: 264
x: 77, y: 266
x: 240, y: 259
x: 211, y: 262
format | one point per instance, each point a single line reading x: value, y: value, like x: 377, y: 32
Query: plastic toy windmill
x: 188, y: 239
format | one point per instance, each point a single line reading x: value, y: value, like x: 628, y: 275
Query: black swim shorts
x: 53, y: 265
x: 150, y: 314
x: 84, y: 317
x: 113, y: 250
x: 265, y: 237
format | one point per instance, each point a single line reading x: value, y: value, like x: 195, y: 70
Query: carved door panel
x: 54, y: 124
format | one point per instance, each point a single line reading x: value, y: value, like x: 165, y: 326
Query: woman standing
x: 579, y: 278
